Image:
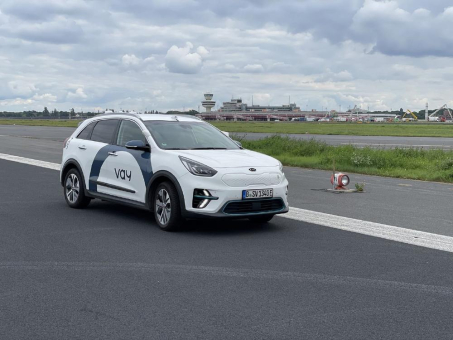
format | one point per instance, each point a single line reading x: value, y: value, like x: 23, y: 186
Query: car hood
x: 229, y: 158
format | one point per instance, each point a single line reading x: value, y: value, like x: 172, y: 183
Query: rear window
x: 104, y: 130
x: 85, y: 134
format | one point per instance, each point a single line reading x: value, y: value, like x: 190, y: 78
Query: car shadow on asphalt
x: 217, y: 226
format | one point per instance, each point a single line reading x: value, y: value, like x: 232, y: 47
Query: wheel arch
x: 71, y: 164
x: 159, y: 177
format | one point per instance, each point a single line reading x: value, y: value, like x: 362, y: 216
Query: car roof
x: 149, y: 117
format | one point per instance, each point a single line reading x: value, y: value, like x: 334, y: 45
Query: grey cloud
x: 395, y: 31
x: 54, y: 32
x: 41, y: 10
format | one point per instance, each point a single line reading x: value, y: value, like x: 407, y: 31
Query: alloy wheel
x: 163, y: 206
x: 72, y: 188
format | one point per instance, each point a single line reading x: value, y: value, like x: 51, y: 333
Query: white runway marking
x: 388, y: 232
x: 35, y: 162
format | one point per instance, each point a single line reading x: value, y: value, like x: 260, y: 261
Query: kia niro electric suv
x: 177, y: 167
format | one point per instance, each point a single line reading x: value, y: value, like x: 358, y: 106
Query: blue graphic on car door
x: 121, y: 172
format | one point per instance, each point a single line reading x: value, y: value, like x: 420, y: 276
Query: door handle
x: 113, y: 154
x: 83, y: 147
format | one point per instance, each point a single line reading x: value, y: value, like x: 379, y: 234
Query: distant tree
x: 46, y: 113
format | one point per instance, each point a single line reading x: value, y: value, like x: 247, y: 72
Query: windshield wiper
x: 208, y: 149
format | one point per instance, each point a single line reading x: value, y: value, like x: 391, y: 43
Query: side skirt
x: 119, y: 200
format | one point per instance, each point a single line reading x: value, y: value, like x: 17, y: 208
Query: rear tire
x: 261, y: 218
x: 167, y: 211
x: 74, y: 190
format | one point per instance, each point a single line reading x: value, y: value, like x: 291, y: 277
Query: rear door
x: 101, y: 146
x: 131, y: 168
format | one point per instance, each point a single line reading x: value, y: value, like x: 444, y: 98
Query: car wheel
x: 74, y: 190
x: 167, y: 210
x: 261, y: 218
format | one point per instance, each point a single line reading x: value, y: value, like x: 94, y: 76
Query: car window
x: 129, y: 131
x: 104, y: 130
x: 85, y: 134
x: 188, y: 135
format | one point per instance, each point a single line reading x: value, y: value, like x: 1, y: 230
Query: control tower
x: 208, y: 103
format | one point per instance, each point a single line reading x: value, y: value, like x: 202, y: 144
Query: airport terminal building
x: 236, y: 109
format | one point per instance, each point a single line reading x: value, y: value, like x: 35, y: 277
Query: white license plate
x: 257, y: 193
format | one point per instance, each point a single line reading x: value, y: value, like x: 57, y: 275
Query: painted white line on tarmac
x: 388, y: 232
x: 35, y: 162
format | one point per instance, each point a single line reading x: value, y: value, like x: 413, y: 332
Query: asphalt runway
x: 59, y: 134
x: 108, y: 272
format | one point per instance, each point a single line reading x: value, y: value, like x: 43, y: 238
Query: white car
x: 175, y: 166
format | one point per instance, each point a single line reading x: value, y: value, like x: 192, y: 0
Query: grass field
x: 353, y: 129
x: 429, y: 165
x: 41, y: 122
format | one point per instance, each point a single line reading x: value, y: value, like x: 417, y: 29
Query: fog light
x: 201, y: 198
x: 203, y: 204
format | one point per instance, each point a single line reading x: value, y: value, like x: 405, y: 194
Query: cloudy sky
x: 164, y: 54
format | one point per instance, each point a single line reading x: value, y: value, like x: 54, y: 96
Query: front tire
x: 74, y: 190
x: 261, y: 218
x: 167, y: 210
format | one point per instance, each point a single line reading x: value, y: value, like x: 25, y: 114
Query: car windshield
x: 175, y: 135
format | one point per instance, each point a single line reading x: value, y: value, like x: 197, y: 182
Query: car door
x: 101, y: 143
x: 128, y: 171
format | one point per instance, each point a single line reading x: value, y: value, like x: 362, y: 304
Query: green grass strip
x: 41, y: 122
x: 420, y: 164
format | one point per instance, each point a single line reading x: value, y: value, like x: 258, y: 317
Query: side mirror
x: 137, y: 145
x: 226, y: 133
x: 238, y: 143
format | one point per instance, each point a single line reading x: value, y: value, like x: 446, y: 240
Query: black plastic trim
x: 119, y: 200
x: 111, y: 186
x: 71, y: 161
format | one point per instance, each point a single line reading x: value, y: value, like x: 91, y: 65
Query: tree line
x: 56, y: 114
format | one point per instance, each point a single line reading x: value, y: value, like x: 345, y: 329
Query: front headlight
x: 196, y: 168
x: 280, y: 165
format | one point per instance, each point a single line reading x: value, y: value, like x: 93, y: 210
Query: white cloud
x: 46, y: 97
x: 16, y: 102
x: 130, y: 60
x: 181, y: 60
x: 79, y: 94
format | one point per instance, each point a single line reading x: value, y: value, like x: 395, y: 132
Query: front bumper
x: 225, y: 195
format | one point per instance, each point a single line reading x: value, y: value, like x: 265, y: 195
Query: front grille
x: 245, y: 180
x: 254, y: 206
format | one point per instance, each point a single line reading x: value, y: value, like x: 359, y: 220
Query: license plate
x: 257, y: 193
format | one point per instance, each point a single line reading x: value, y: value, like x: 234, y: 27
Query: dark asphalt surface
x: 108, y: 272
x: 59, y: 134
